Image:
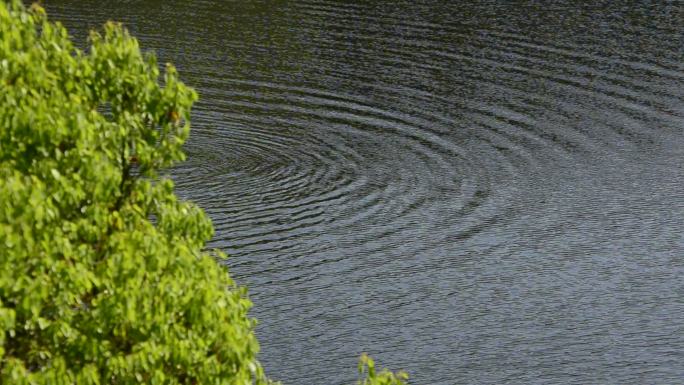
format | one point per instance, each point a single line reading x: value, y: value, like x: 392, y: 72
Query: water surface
x: 475, y: 192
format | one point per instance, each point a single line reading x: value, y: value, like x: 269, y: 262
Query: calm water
x: 476, y: 192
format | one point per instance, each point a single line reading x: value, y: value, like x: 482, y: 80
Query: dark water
x: 476, y: 192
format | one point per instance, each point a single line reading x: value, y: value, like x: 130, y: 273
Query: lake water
x: 477, y: 192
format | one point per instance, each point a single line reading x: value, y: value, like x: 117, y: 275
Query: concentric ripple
x: 476, y: 192
x: 337, y: 161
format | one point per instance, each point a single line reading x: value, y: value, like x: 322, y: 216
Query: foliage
x: 92, y: 290
x: 104, y: 278
x: 384, y: 377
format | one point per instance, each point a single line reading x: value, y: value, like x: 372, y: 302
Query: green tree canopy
x: 104, y: 276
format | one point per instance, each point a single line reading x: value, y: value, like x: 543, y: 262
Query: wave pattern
x: 474, y: 191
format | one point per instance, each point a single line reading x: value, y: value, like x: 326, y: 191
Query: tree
x: 104, y: 275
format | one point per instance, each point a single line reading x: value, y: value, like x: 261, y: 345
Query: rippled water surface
x: 476, y: 192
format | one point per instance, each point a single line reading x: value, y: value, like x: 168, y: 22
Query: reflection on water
x: 476, y: 192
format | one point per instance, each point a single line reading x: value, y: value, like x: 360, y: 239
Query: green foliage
x: 104, y: 278
x: 91, y: 289
x: 384, y: 377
